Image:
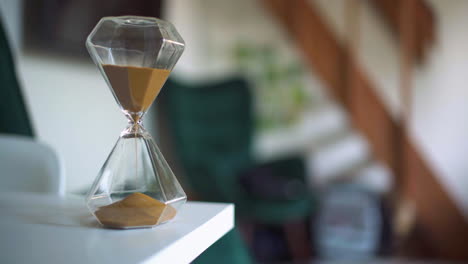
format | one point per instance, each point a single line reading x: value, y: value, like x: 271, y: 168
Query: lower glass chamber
x: 136, y: 187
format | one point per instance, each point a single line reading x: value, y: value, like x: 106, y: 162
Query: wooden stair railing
x: 423, y: 26
x: 442, y: 224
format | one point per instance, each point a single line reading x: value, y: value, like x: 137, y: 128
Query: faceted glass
x: 135, y: 187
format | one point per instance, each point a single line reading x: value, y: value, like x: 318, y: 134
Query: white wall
x: 73, y: 111
x: 439, y: 123
x: 440, y: 112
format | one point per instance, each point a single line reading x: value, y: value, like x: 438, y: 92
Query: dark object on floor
x: 277, y: 191
x: 13, y: 115
x: 269, y: 245
x: 276, y: 181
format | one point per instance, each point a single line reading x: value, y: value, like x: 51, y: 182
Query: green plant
x: 279, y: 88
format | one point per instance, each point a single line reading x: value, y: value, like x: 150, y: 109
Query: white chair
x: 29, y: 166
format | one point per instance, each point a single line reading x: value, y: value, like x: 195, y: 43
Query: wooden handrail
x: 422, y: 24
x: 445, y: 227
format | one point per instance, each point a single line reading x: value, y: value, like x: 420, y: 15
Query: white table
x: 38, y: 228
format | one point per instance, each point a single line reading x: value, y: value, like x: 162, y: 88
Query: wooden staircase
x: 439, y: 221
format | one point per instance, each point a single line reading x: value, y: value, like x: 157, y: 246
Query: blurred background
x: 337, y: 127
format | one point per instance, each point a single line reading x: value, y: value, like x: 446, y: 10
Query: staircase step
x: 315, y: 126
x: 375, y: 177
x: 338, y: 158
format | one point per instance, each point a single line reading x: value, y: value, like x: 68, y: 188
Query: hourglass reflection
x: 135, y: 187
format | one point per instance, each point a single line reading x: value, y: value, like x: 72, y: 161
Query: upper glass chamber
x: 135, y: 55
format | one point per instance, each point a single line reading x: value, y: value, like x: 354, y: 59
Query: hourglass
x: 135, y: 187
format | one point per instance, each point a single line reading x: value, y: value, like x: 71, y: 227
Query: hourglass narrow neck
x: 134, y: 129
x: 134, y: 117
